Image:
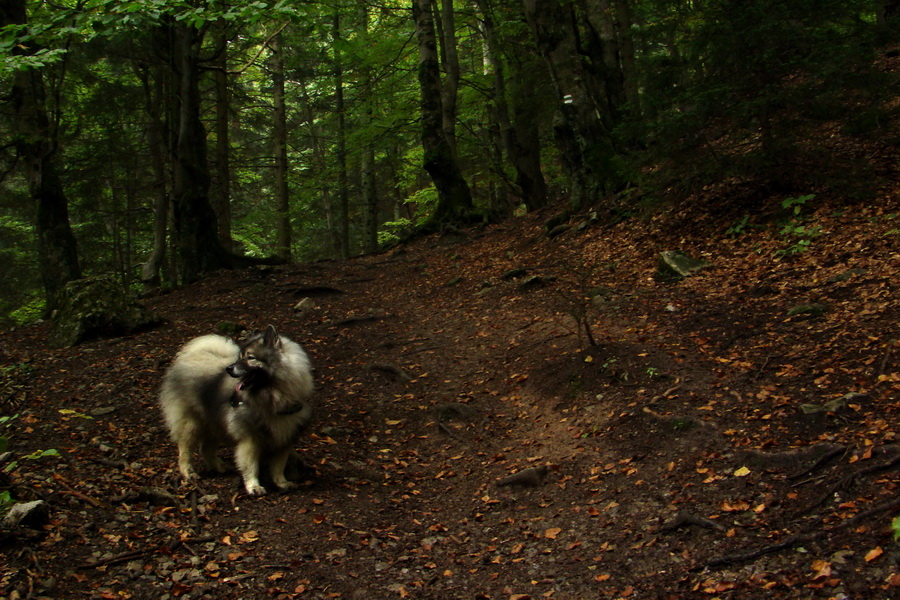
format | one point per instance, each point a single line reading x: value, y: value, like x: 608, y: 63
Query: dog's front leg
x: 246, y: 456
x: 276, y: 467
x: 184, y: 461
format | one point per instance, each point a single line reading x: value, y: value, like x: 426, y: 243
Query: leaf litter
x: 667, y: 452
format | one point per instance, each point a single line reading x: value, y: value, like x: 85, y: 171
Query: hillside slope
x: 717, y: 441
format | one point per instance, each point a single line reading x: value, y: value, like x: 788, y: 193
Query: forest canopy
x: 155, y: 140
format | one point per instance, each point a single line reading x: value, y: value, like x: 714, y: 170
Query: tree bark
x: 222, y: 191
x: 586, y: 111
x: 450, y: 62
x: 454, y: 197
x: 279, y: 131
x: 154, y: 103
x: 367, y: 159
x: 343, y: 191
x: 35, y: 141
x: 195, y: 224
x: 520, y: 139
x: 623, y: 24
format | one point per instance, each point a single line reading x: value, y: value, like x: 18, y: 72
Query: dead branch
x: 73, y: 492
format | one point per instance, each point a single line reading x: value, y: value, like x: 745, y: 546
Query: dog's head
x: 260, y: 357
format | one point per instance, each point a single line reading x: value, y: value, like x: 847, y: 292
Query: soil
x: 699, y: 440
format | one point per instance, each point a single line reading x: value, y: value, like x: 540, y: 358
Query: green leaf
x: 69, y: 411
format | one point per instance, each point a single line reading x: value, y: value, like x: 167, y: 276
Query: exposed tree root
x: 800, y: 538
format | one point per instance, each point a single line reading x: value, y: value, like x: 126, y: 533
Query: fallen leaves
x: 873, y: 554
x: 742, y: 472
x: 552, y: 533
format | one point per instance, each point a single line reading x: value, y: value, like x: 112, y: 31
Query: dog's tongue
x: 239, y: 386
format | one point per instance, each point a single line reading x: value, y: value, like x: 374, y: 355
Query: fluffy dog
x: 254, y: 397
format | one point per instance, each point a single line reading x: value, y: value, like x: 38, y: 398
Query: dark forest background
x: 156, y: 140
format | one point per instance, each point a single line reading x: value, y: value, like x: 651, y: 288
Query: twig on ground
x: 73, y: 492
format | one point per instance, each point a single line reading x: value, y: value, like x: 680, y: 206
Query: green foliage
x: 794, y: 229
x: 4, y: 437
x: 5, y: 424
x: 739, y: 227
x: 423, y: 203
x: 795, y: 205
x: 33, y: 310
x: 727, y: 90
x: 393, y: 231
x: 895, y: 526
x: 743, y: 87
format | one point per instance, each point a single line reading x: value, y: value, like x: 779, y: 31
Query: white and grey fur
x: 254, y: 397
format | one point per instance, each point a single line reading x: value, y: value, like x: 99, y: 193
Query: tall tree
x: 36, y: 143
x: 279, y: 140
x: 367, y: 157
x: 195, y: 224
x: 221, y: 199
x: 152, y: 82
x: 587, y: 92
x: 519, y: 135
x: 454, y: 196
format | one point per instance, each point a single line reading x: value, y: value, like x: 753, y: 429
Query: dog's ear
x: 270, y: 337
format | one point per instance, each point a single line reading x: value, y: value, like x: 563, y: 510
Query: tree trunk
x: 35, y: 141
x: 450, y: 87
x: 623, y: 24
x: 315, y: 137
x: 343, y: 191
x: 585, y: 112
x: 195, y: 225
x: 367, y: 159
x: 279, y: 131
x: 521, y: 141
x: 454, y: 197
x: 153, y: 105
x: 222, y: 191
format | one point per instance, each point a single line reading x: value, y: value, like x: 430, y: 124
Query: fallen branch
x: 392, y: 371
x: 73, y: 492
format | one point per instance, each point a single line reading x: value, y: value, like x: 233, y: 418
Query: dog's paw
x: 189, y: 476
x: 255, y: 489
x: 286, y: 485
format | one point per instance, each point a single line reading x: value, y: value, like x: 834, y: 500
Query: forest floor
x: 712, y: 444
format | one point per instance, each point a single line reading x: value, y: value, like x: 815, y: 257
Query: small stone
x: 34, y: 514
